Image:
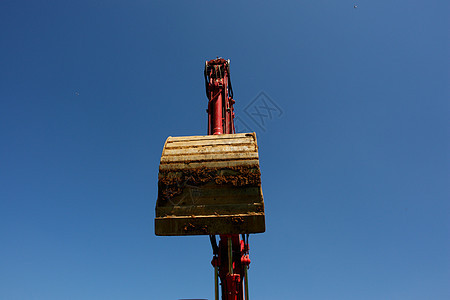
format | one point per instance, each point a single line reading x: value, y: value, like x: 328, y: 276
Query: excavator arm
x: 211, y: 185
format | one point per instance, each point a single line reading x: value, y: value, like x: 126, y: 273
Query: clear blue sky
x: 355, y: 170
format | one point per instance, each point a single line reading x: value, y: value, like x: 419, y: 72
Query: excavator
x: 211, y: 185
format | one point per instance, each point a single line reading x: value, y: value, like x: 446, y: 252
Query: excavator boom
x: 211, y: 185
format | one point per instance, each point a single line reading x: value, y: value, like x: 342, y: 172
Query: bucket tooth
x: 210, y: 185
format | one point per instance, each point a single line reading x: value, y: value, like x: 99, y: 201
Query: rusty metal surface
x: 210, y: 185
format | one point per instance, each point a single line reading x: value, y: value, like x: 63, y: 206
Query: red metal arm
x: 220, y: 96
x: 231, y: 258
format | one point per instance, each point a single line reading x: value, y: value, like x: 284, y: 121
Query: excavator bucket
x: 210, y: 185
